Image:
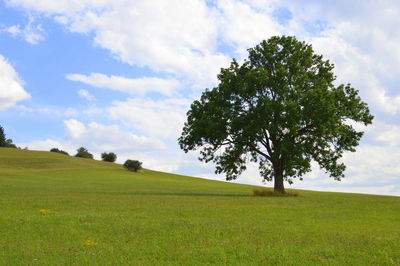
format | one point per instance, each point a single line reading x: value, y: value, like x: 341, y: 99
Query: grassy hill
x: 60, y: 210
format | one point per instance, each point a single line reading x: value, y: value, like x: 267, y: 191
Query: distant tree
x: 109, y: 157
x: 59, y: 151
x: 133, y: 165
x: 4, y: 142
x: 83, y: 153
x: 281, y: 109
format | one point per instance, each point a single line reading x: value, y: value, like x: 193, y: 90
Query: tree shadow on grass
x: 185, y: 194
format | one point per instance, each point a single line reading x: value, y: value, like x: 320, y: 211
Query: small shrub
x: 57, y: 150
x: 109, y: 157
x: 267, y: 192
x: 83, y: 153
x: 133, y: 165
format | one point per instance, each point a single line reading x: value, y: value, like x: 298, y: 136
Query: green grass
x: 101, y: 214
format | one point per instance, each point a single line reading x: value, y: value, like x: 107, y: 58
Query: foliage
x: 4, y: 142
x: 280, y: 109
x: 109, y: 157
x: 83, y: 153
x: 59, y: 151
x: 133, y: 165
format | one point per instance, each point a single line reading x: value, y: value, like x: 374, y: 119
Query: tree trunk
x: 278, y: 182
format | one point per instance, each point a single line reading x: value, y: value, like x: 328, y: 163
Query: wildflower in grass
x: 90, y: 243
x: 44, y: 211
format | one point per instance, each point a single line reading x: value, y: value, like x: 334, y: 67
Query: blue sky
x: 120, y: 75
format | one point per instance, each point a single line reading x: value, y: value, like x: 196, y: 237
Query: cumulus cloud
x: 182, y: 42
x: 158, y: 118
x: 244, y: 26
x: 185, y: 41
x: 101, y: 137
x: 11, y: 86
x: 139, y: 86
x: 385, y: 134
x: 362, y: 45
x: 359, y: 68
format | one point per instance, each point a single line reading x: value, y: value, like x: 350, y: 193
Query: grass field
x: 60, y: 210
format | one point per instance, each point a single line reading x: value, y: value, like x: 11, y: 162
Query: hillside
x: 60, y: 210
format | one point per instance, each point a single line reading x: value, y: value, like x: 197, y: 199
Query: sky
x: 119, y: 75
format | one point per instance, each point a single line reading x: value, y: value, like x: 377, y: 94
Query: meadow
x: 61, y: 210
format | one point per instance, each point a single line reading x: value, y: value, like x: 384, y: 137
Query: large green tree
x: 281, y: 109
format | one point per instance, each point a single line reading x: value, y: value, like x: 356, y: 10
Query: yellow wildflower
x: 90, y: 243
x: 44, y: 211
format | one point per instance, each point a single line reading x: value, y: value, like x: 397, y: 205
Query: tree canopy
x: 109, y: 157
x: 4, y: 142
x: 83, y: 153
x: 59, y: 151
x: 281, y: 109
x: 133, y: 165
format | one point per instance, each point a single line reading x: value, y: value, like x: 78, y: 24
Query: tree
x: 109, y: 157
x: 4, y: 142
x: 133, y: 165
x: 281, y: 109
x: 83, y: 153
x: 59, y: 151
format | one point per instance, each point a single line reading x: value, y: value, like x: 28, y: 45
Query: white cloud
x: 158, y: 118
x: 177, y: 37
x: 13, y: 30
x: 75, y: 129
x: 30, y: 32
x: 385, y: 134
x: 11, y: 86
x: 359, y: 68
x: 48, y: 144
x: 244, y: 26
x: 360, y: 40
x: 139, y: 86
x: 180, y: 42
x: 33, y: 33
x: 99, y: 137
x: 86, y: 95
x: 185, y: 42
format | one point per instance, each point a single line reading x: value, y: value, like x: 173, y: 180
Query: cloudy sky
x: 119, y: 75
